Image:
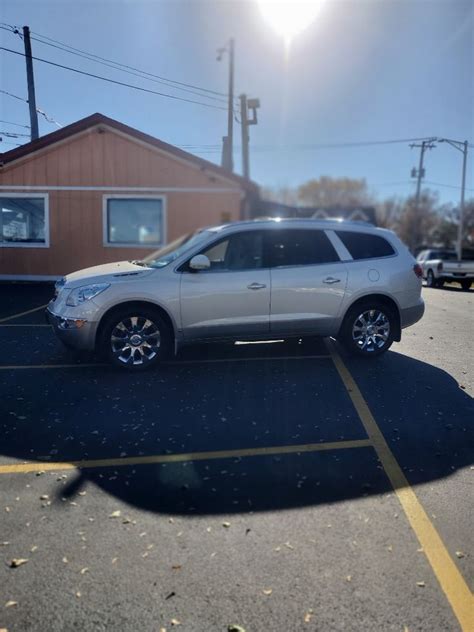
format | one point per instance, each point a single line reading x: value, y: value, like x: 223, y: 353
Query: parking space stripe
x: 37, y: 466
x: 30, y: 311
x: 14, y: 367
x: 26, y: 325
x: 446, y: 571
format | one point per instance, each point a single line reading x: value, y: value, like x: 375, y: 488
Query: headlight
x: 85, y: 293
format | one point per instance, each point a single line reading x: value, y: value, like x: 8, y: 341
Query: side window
x: 299, y: 248
x: 422, y: 256
x: 242, y: 251
x: 365, y: 245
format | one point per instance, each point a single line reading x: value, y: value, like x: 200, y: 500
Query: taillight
x: 440, y: 266
x: 418, y: 270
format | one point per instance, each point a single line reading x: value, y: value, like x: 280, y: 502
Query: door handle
x: 331, y: 280
x: 256, y: 286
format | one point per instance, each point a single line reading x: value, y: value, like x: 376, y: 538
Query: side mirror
x: 200, y: 262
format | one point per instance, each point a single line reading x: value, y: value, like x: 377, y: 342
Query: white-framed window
x: 24, y: 220
x: 137, y: 221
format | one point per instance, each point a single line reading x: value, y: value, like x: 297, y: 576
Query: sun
x: 289, y: 17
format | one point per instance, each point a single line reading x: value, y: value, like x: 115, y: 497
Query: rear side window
x: 299, y: 248
x: 365, y: 246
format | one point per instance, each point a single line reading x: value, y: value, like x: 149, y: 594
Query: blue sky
x: 362, y: 71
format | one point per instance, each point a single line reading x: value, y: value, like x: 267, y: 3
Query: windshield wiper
x: 139, y: 263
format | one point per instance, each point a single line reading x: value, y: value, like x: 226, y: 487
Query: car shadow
x: 293, y: 398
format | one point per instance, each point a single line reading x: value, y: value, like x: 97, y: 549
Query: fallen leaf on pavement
x: 349, y: 578
x: 115, y: 514
x: 84, y: 570
x: 17, y: 561
x: 267, y: 591
x: 78, y: 595
x: 175, y: 622
x: 226, y: 524
x: 421, y: 584
x: 11, y: 603
x: 308, y: 616
x: 459, y: 554
x: 65, y: 560
x: 230, y: 628
x: 176, y: 567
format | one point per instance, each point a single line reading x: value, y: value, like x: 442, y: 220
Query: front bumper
x: 74, y: 332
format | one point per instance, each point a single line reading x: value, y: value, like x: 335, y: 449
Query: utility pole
x: 462, y: 147
x: 245, y: 136
x: 419, y: 174
x: 245, y: 106
x: 31, y: 84
x: 228, y: 141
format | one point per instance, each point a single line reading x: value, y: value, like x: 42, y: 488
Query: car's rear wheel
x: 368, y: 329
x: 466, y: 285
x: 136, y: 339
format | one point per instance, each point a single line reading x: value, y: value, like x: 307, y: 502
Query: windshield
x: 162, y: 257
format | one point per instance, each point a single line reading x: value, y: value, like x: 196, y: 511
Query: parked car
x: 250, y: 280
x: 443, y: 265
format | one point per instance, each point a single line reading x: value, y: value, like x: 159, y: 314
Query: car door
x: 232, y: 298
x: 308, y: 281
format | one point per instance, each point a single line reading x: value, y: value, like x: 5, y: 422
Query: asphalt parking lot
x: 273, y: 487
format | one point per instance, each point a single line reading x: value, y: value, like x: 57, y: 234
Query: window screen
x: 135, y: 221
x: 22, y: 220
x: 365, y: 246
x: 299, y: 248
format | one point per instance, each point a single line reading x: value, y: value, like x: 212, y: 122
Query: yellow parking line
x: 30, y: 311
x: 14, y: 367
x: 26, y: 325
x: 21, y: 468
x: 446, y: 571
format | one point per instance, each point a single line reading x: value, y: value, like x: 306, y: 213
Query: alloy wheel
x: 135, y: 340
x: 371, y: 330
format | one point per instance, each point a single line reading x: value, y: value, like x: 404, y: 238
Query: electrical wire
x: 13, y: 134
x: 114, y: 81
x: 48, y: 118
x: 172, y: 83
x: 16, y: 124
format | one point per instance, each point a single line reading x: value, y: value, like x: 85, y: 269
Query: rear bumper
x: 456, y: 276
x: 411, y: 315
x: 74, y: 332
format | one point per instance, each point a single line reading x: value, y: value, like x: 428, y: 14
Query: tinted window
x: 299, y: 248
x: 242, y: 251
x: 365, y: 246
x: 445, y: 255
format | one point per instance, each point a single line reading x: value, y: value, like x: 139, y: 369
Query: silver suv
x: 243, y: 281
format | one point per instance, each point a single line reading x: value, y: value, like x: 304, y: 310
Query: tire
x: 136, y: 339
x: 466, y: 285
x: 354, y: 335
x: 430, y: 279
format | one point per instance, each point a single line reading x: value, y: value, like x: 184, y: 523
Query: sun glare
x: 289, y: 17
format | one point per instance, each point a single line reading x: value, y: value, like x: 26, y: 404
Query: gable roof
x: 99, y: 119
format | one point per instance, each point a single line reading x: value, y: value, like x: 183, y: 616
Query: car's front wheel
x: 136, y: 339
x: 431, y: 280
x: 368, y: 329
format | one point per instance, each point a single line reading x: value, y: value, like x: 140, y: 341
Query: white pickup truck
x: 440, y: 266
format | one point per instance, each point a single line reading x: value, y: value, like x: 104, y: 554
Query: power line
x: 15, y: 96
x: 119, y: 83
x: 16, y: 124
x: 172, y: 83
x: 13, y: 134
